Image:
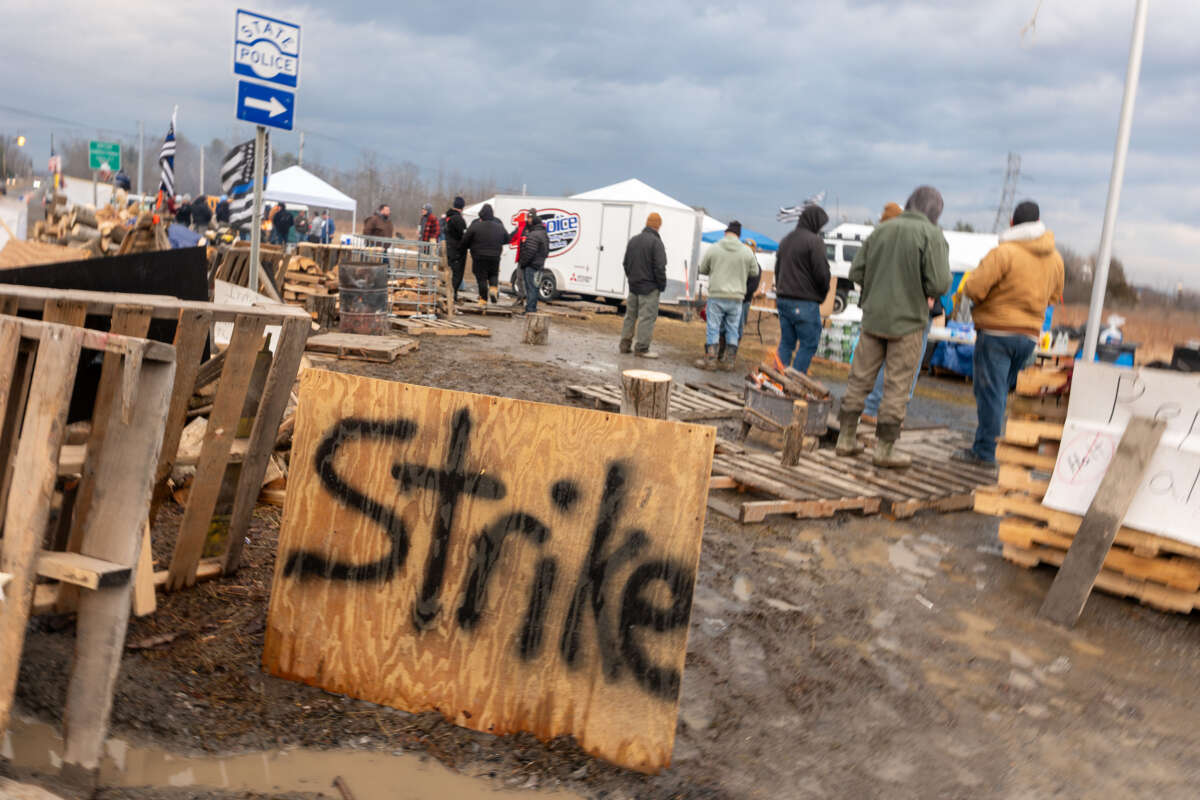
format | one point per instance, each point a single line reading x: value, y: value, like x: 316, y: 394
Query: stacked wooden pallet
x: 822, y: 483
x: 687, y: 403
x: 231, y: 263
x: 304, y: 278
x: 1159, y: 572
x: 326, y: 256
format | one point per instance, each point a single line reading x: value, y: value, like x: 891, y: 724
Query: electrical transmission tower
x: 1009, y: 194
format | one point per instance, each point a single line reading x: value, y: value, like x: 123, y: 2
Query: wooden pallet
x: 491, y: 310
x: 687, y: 403
x: 384, y: 349
x: 439, y: 327
x: 237, y: 373
x: 1157, y: 571
x: 107, y: 520
x: 822, y: 483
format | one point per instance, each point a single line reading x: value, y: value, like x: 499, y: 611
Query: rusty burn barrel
x: 363, y: 297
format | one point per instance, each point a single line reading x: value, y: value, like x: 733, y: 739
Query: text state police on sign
x: 266, y: 48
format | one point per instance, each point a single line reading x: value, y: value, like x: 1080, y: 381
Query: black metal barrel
x: 363, y: 297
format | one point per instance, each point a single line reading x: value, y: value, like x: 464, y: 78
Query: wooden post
x: 1085, y: 558
x: 537, y: 328
x: 793, y: 435
x: 645, y: 393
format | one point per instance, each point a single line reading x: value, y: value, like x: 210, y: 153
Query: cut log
x: 793, y: 435
x: 537, y: 329
x: 84, y: 215
x: 82, y: 233
x: 323, y: 309
x: 645, y: 393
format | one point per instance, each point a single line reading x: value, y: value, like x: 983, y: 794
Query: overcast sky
x: 736, y: 107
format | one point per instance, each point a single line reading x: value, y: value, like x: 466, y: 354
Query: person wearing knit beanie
x: 891, y: 210
x: 459, y: 203
x: 645, y: 265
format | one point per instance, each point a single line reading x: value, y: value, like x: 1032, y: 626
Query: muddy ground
x: 852, y: 657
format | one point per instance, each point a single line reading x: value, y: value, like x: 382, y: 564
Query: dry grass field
x: 1155, y: 330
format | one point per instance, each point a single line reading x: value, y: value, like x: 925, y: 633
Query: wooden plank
x: 82, y: 571
x: 401, y: 611
x: 1073, y: 584
x: 66, y: 312
x: 191, y: 334
x: 276, y: 392
x: 354, y: 345
x: 15, y: 371
x: 1028, y: 433
x: 214, y: 453
x: 1007, y: 454
x: 1036, y: 381
x: 145, y: 601
x: 113, y: 531
x: 1021, y: 479
x: 29, y: 509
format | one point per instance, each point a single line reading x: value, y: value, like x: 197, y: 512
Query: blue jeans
x: 531, y: 277
x: 799, y: 331
x: 876, y: 395
x: 723, y: 316
x: 998, y: 359
x: 742, y: 321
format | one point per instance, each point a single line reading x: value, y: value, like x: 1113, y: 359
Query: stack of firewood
x: 304, y: 278
x: 96, y: 232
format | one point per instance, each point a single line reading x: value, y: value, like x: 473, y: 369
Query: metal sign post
x: 1100, y: 274
x: 260, y: 145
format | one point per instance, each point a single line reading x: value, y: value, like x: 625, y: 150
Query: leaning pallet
x: 687, y: 403
x: 1157, y: 571
x: 821, y: 483
x: 38, y: 362
x: 232, y: 372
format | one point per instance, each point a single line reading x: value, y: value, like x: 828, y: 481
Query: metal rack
x: 415, y: 272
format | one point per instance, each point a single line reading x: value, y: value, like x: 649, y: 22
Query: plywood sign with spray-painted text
x: 513, y: 565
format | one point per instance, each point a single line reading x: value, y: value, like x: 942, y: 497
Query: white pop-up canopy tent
x: 298, y: 185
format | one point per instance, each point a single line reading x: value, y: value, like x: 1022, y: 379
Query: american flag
x: 166, y: 160
x: 237, y: 181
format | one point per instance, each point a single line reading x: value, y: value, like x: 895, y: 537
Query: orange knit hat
x: 891, y: 210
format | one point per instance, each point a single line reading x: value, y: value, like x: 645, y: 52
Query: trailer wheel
x: 839, y: 302
x: 548, y: 288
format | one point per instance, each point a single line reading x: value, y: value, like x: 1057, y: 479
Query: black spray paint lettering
x: 615, y: 625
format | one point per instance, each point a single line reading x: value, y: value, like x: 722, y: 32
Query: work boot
x: 482, y: 303
x: 494, y: 294
x: 709, y: 362
x: 885, y: 454
x: 645, y: 354
x: 728, y: 359
x: 847, y: 443
x: 625, y: 347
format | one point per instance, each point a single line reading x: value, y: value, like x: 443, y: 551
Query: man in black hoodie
x: 801, y: 284
x: 456, y: 257
x: 646, y: 270
x: 484, y: 239
x: 535, y: 246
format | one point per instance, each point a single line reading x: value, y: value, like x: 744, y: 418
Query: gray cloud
x: 739, y: 107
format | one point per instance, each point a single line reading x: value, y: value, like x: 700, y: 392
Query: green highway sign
x: 104, y: 155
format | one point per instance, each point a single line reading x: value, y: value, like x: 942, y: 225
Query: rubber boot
x: 728, y: 360
x: 709, y: 362
x: 847, y: 443
x: 885, y: 454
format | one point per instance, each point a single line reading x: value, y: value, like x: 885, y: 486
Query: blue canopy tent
x: 765, y: 243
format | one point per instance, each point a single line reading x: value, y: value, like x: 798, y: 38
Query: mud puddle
x: 32, y: 745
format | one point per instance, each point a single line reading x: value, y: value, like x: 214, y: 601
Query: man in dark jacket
x: 380, y: 224
x: 535, y: 246
x: 646, y: 271
x: 223, y: 210
x: 456, y: 256
x: 484, y: 239
x: 801, y: 283
x: 201, y: 214
x: 281, y: 224
x: 183, y: 211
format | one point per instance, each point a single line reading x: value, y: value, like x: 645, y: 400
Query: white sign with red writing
x: 1103, y: 400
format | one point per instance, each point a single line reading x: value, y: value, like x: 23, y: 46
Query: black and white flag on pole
x: 166, y: 160
x: 237, y: 181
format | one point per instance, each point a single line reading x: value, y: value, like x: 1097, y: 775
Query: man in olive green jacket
x: 902, y: 266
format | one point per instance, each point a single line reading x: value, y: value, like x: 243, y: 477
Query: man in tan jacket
x: 1010, y: 288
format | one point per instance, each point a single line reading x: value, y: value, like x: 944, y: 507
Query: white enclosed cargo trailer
x: 587, y: 244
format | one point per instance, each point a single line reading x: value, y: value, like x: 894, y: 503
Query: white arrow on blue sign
x: 265, y: 105
x: 266, y: 49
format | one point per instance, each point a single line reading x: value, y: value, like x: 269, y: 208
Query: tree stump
x: 323, y: 308
x: 537, y: 328
x: 645, y: 393
x: 793, y: 435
